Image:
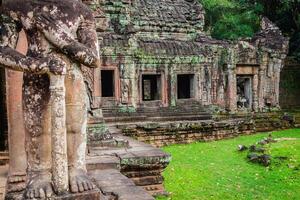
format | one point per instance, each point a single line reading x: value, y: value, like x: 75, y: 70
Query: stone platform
x: 140, y: 162
x: 219, y: 127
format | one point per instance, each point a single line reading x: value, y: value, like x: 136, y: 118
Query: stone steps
x: 156, y: 109
x: 141, y: 163
x: 114, y: 185
x: 190, y: 110
x: 102, y: 162
x: 184, y: 109
x: 158, y: 118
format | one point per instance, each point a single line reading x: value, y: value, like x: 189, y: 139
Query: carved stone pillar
x: 231, y: 90
x: 16, y: 130
x: 261, y: 81
x: 277, y: 69
x: 255, y: 92
x: 231, y: 85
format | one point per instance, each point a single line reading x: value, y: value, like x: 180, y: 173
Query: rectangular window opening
x: 107, y: 83
x: 151, y: 87
x: 185, y: 86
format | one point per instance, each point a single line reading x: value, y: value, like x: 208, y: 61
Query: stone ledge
x: 113, y: 183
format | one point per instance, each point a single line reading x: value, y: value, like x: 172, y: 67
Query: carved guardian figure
x: 61, y: 37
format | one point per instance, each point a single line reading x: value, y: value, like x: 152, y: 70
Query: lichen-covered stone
x: 62, y: 41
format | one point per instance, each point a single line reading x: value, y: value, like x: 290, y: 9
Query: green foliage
x: 232, y: 19
x: 216, y: 170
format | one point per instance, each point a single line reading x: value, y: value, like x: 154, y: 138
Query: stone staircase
x: 184, y: 111
x: 129, y: 172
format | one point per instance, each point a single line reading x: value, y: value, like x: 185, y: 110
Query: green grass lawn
x: 216, y: 170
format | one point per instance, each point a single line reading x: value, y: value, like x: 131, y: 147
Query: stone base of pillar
x: 89, y: 195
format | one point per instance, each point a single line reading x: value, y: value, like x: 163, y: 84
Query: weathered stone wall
x: 224, y: 126
x: 167, y: 38
x: 290, y: 86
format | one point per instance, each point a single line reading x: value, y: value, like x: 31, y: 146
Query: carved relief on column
x: 206, y: 85
x: 124, y: 84
x: 255, y: 92
x: 173, y: 86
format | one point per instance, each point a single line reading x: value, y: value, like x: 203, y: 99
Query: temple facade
x: 156, y: 54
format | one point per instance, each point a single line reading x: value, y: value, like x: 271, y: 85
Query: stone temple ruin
x: 162, y: 80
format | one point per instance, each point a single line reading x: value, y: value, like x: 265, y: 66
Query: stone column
x: 231, y: 90
x: 255, y: 93
x: 277, y: 69
x: 231, y: 87
x: 129, y: 78
x: 261, y: 81
x: 16, y: 130
x: 173, y: 87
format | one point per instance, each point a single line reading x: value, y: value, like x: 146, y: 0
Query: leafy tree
x: 229, y: 19
x: 232, y: 19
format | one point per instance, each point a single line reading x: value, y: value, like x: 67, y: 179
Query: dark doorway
x: 185, y: 86
x: 244, y: 92
x: 151, y: 87
x: 3, y: 113
x: 107, y: 83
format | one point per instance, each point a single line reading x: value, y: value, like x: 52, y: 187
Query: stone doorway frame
x: 163, y: 89
x: 249, y: 70
x: 250, y: 79
x: 108, y: 101
x: 192, y: 86
x: 194, y: 94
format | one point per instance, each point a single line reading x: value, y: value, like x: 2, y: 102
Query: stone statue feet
x: 39, y: 186
x: 16, y: 182
x: 79, y: 181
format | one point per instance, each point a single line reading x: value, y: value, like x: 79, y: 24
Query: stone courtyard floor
x: 216, y: 170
